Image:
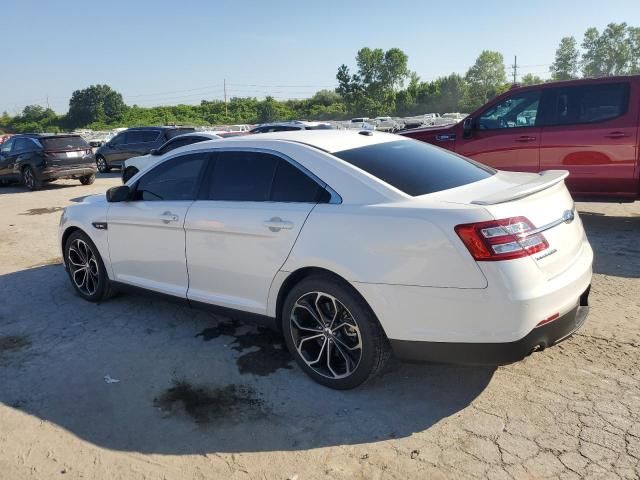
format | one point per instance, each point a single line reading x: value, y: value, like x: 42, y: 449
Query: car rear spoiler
x: 545, y: 179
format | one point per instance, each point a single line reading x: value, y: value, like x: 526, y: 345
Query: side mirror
x: 154, y: 151
x: 467, y: 127
x: 121, y: 193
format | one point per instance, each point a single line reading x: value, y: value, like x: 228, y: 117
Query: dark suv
x: 35, y: 159
x: 133, y: 143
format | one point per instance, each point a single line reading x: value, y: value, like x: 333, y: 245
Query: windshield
x: 64, y: 143
x: 415, y: 168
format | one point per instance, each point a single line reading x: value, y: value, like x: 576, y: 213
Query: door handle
x: 276, y: 224
x: 616, y: 135
x: 525, y: 138
x: 168, y: 217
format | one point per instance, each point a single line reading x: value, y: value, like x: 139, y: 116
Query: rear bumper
x: 496, y: 353
x: 75, y: 171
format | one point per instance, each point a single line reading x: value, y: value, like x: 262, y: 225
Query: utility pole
x: 515, y: 68
x: 47, y: 102
x: 226, y: 112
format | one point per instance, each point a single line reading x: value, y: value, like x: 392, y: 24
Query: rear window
x: 63, y: 143
x: 415, y: 168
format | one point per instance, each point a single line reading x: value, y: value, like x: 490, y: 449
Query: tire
x: 128, y: 173
x: 88, y: 179
x: 30, y: 180
x: 103, y: 166
x: 86, y: 269
x: 337, y: 355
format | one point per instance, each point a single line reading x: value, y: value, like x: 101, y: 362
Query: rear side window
x: 261, y: 177
x: 180, y: 142
x: 242, y: 176
x: 416, y: 168
x: 588, y: 103
x: 175, y: 179
x: 63, y: 143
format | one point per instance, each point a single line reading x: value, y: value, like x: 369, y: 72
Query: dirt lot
x: 142, y: 388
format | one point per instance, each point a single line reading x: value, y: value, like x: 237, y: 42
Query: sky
x: 169, y: 52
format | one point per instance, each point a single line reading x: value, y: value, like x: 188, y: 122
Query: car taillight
x: 504, y: 239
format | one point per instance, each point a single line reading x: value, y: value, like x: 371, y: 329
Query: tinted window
x: 142, y: 136
x: 24, y: 145
x: 242, y: 176
x: 179, y: 142
x: 291, y: 184
x: 178, y: 131
x: 118, y: 139
x: 519, y: 110
x: 415, y: 167
x: 588, y: 103
x: 64, y: 143
x: 176, y: 179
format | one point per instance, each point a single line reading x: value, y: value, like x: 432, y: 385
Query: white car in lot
x: 134, y: 165
x: 354, y: 244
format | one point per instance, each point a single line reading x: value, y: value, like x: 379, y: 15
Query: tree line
x: 382, y: 84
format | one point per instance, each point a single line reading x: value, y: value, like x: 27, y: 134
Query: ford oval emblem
x: 568, y: 216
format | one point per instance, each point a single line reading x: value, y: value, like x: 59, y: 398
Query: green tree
x: 485, y: 79
x: 95, y: 104
x: 612, y: 52
x: 565, y: 66
x: 372, y: 90
x: 530, y: 79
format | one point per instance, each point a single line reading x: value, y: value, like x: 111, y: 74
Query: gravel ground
x: 141, y: 388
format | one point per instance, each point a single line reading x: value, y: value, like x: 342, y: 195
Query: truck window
x: 518, y: 110
x: 588, y: 103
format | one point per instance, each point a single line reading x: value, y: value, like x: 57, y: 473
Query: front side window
x: 414, y: 167
x: 118, y: 139
x: 142, y: 136
x: 175, y: 179
x: 5, y: 148
x: 519, y: 110
x: 23, y: 145
x: 588, y: 103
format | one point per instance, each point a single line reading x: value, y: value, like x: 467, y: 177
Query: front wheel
x: 332, y: 333
x: 86, y: 268
x: 88, y: 179
x: 103, y: 166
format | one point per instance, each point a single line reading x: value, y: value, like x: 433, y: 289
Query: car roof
x: 211, y: 135
x: 327, y: 140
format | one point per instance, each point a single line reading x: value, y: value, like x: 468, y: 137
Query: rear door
x: 592, y: 132
x: 506, y: 134
x: 146, y: 234
x: 242, y: 228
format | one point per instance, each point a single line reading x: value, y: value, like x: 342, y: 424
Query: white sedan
x: 136, y: 164
x: 354, y: 244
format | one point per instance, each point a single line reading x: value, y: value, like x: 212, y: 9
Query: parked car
x: 136, y: 164
x: 35, y: 159
x: 354, y: 244
x: 387, y: 124
x: 134, y: 142
x: 588, y: 127
x: 290, y: 127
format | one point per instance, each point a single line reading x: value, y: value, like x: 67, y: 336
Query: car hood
x: 97, y: 198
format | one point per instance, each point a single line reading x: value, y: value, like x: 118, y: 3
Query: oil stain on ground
x: 13, y: 343
x: 42, y: 211
x: 267, y: 354
x: 207, y: 405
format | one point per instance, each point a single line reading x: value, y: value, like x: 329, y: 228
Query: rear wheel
x: 332, y: 333
x: 88, y: 179
x: 30, y: 180
x: 86, y: 268
x: 103, y: 166
x: 128, y: 173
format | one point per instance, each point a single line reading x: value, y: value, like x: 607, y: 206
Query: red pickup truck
x: 588, y: 127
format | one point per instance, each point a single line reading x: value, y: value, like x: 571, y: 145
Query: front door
x: 146, y: 234
x: 241, y: 230
x: 506, y: 135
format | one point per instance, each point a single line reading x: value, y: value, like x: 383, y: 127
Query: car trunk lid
x: 66, y: 150
x: 541, y: 198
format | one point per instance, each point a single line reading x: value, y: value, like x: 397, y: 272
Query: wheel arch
x: 300, y: 274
